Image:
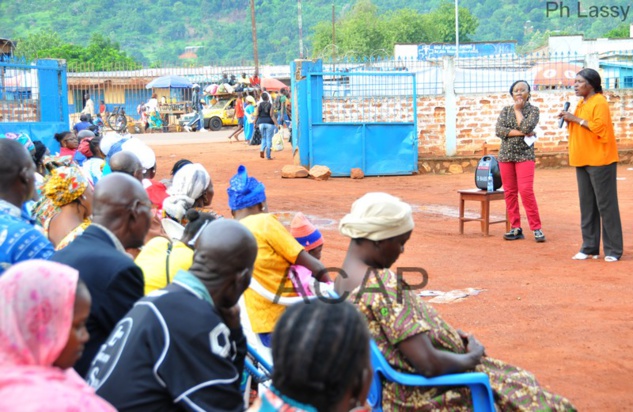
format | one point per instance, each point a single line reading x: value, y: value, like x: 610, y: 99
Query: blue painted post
x: 301, y: 92
x: 415, y: 119
x: 63, y: 95
x: 49, y: 88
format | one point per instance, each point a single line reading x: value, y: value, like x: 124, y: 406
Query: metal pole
x: 300, y: 30
x: 254, y: 30
x: 456, y: 29
x: 333, y: 39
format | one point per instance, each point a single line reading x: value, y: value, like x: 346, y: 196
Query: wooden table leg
x: 461, y: 214
x: 485, y: 215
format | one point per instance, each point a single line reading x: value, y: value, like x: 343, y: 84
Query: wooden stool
x: 484, y: 198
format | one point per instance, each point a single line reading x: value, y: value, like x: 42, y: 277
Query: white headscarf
x: 188, y: 185
x: 377, y: 216
x: 144, y: 153
x: 108, y: 141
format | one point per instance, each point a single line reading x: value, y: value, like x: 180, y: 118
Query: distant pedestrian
x: 239, y: 113
x: 89, y: 107
x: 196, y: 105
x: 266, y: 124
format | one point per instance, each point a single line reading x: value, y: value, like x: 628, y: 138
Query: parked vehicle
x: 219, y: 114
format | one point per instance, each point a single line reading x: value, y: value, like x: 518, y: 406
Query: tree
x: 443, y: 18
x: 31, y: 46
x: 357, y: 38
x: 408, y: 26
x: 354, y: 36
x: 100, y: 54
x: 620, y: 32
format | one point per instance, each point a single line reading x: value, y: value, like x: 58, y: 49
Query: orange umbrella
x: 555, y: 74
x: 272, y: 85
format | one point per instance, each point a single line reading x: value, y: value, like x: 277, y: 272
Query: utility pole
x: 333, y: 37
x: 300, y: 30
x: 254, y: 30
x: 456, y: 29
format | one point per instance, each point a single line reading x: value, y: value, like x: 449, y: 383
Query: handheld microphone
x: 561, y: 121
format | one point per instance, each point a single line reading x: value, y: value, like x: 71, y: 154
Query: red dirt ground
x: 569, y: 322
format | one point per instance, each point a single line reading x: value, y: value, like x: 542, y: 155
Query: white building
x: 578, y: 44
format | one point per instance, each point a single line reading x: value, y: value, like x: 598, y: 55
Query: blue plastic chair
x: 477, y: 382
x: 256, y: 367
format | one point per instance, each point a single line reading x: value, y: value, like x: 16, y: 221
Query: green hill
x: 159, y: 30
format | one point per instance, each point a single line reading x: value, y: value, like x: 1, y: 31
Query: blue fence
x: 33, y: 99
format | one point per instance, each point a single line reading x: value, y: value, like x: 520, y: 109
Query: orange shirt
x: 595, y: 146
x: 239, y: 108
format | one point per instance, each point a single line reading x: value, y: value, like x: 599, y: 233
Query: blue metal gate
x: 34, y: 99
x: 363, y: 119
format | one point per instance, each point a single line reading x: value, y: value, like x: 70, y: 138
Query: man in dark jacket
x: 121, y: 219
x: 182, y: 347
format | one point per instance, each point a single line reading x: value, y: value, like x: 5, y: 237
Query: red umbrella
x: 555, y: 74
x: 272, y: 85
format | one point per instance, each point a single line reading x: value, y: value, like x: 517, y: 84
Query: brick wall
x: 477, y: 116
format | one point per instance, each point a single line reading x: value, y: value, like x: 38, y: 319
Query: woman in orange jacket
x: 594, y: 153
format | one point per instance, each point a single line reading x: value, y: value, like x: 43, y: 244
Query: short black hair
x: 520, y: 81
x: 196, y: 221
x: 40, y: 151
x: 320, y: 351
x: 179, y: 165
x: 592, y: 77
x: 60, y: 136
x: 94, y: 145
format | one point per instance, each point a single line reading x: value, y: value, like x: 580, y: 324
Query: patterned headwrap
x: 65, y: 185
x: 245, y: 191
x: 21, y: 138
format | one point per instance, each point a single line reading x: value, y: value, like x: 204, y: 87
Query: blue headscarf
x: 245, y: 191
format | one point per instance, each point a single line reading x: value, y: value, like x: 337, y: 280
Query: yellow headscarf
x: 64, y: 185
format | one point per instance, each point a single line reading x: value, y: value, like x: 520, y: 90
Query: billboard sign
x: 437, y: 51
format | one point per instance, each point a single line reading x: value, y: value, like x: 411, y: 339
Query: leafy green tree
x: 100, y: 54
x: 32, y: 45
x: 356, y: 38
x: 408, y: 26
x: 443, y: 18
x: 620, y: 32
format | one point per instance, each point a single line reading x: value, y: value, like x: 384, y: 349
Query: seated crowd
x: 122, y: 292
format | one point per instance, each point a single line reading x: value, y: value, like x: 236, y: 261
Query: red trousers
x: 518, y: 178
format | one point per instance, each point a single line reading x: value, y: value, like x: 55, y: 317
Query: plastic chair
x: 255, y: 368
x: 477, y: 382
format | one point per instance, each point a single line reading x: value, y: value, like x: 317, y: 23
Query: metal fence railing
x: 125, y: 86
x: 489, y: 74
x: 19, y: 91
x: 368, y: 97
x: 544, y: 71
x: 429, y: 79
